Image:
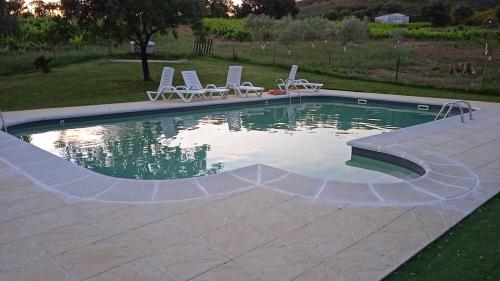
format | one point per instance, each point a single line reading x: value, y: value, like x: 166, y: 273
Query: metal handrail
x: 4, y: 124
x: 451, y: 105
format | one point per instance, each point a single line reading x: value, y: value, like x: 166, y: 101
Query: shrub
x: 438, y: 13
x: 229, y: 29
x: 260, y: 27
x: 42, y: 63
x: 352, y: 29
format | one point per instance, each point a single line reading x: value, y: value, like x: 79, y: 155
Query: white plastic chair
x: 292, y: 83
x: 234, y: 82
x: 166, y: 87
x: 193, y: 84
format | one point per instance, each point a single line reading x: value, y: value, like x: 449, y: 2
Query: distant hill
x: 336, y: 9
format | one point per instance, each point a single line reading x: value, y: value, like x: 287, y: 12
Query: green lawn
x: 469, y: 251
x: 100, y: 82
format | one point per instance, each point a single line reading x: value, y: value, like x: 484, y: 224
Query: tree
x: 261, y: 28
x: 289, y: 32
x: 243, y: 10
x: 352, y: 29
x: 10, y: 11
x: 438, y: 13
x: 273, y: 8
x: 461, y: 13
x: 43, y: 9
x: 497, y: 14
x: 136, y: 20
x: 315, y: 29
x: 218, y: 8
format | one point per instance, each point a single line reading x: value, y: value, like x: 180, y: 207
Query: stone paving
x: 256, y: 223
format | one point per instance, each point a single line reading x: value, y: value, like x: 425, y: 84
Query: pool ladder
x: 448, y: 107
x: 4, y: 125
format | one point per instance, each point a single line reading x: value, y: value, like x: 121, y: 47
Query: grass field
x: 469, y: 251
x: 101, y: 81
x: 422, y: 63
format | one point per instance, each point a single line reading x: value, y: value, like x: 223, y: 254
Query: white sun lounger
x: 293, y: 83
x: 166, y: 88
x: 193, y: 83
x: 234, y: 82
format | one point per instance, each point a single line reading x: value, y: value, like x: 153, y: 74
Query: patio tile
x: 187, y: 259
x: 355, y: 223
x: 4, y: 213
x: 90, y: 260
x: 43, y: 269
x: 230, y: 271
x: 33, y: 205
x: 297, y: 184
x: 10, y: 231
x: 71, y: 173
x: 17, y: 188
x: 269, y: 173
x: 201, y: 220
x: 348, y: 192
x: 402, y: 193
x: 124, y: 219
x: 277, y: 261
x: 275, y: 221
x: 222, y: 183
x: 249, y: 202
x: 308, y: 210
x: 129, y: 191
x: 87, y: 187
x: 488, y: 175
x: 315, y: 240
x: 438, y: 189
x: 154, y: 237
x: 20, y: 252
x: 69, y: 237
x: 139, y: 270
x: 249, y: 173
x: 178, y: 190
x: 51, y: 219
x: 237, y: 238
x: 467, y: 183
x: 6, y: 172
x: 96, y: 209
x: 450, y: 170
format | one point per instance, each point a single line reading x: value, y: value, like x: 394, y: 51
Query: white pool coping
x: 444, y: 178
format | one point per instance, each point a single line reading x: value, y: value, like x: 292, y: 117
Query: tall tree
x: 273, y: 8
x: 438, y: 13
x: 461, y: 13
x: 42, y: 8
x: 10, y: 11
x: 136, y: 20
x: 218, y: 8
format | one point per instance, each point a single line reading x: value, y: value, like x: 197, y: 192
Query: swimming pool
x: 307, y: 138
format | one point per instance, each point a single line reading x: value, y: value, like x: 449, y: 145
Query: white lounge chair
x: 293, y: 83
x: 167, y: 88
x: 193, y: 83
x: 234, y: 82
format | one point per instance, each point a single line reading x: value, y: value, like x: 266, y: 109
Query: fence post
x: 397, y: 68
x: 274, y: 53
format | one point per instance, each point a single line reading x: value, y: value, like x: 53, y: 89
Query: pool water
x: 308, y: 138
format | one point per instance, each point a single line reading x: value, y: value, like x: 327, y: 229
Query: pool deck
x: 59, y: 221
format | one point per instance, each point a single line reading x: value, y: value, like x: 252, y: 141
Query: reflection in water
x: 308, y: 138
